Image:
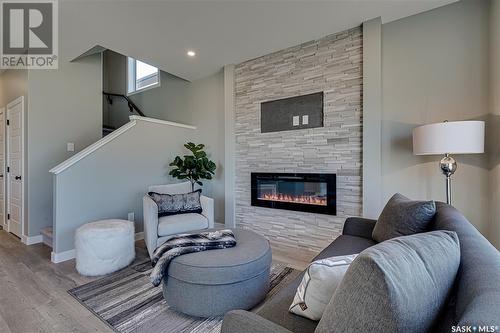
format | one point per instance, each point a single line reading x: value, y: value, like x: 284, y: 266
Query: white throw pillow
x: 320, y: 280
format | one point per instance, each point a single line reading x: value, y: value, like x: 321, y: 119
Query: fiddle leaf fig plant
x: 193, y: 167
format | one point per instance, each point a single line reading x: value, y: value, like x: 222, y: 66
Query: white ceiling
x: 221, y: 32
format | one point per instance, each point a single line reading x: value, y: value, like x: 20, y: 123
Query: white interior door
x: 15, y: 165
x: 2, y: 166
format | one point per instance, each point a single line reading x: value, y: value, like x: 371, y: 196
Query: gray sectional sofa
x: 474, y: 300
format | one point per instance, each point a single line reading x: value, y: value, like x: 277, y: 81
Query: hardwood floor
x: 33, y: 290
x: 291, y: 258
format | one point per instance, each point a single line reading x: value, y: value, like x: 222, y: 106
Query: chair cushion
x: 399, y: 285
x: 402, y: 216
x: 175, y: 224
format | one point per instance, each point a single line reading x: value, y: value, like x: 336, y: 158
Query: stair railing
x: 131, y: 105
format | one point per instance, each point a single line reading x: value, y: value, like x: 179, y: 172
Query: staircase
x: 131, y: 106
x: 120, y: 187
x: 107, y: 130
x: 47, y: 236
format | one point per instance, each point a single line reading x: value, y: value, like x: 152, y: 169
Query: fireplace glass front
x: 315, y: 193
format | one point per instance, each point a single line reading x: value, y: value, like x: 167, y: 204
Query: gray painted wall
x: 65, y: 105
x: 435, y: 67
x: 13, y: 83
x: 199, y: 103
x: 110, y: 182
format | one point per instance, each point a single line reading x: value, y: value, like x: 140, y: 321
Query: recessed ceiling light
x: 191, y: 53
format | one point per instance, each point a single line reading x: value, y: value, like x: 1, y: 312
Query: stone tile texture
x: 332, y: 64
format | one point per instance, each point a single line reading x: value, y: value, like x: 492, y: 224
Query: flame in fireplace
x: 302, y: 199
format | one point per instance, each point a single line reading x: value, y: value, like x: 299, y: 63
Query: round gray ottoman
x: 213, y: 282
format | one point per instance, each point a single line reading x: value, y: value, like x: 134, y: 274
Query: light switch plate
x: 70, y: 146
x: 305, y: 120
x: 296, y: 121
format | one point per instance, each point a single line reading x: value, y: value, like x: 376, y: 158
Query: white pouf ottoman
x: 103, y: 247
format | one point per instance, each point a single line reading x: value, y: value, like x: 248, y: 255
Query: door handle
x: 18, y: 177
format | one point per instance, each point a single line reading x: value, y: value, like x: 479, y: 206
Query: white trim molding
x: 139, y: 236
x: 160, y: 121
x: 24, y: 173
x: 62, y: 256
x: 57, y: 258
x: 372, y: 118
x: 229, y: 147
x: 30, y: 240
x: 110, y: 137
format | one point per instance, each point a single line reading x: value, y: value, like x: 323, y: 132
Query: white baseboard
x: 62, y: 256
x: 71, y: 254
x: 139, y: 236
x: 30, y: 240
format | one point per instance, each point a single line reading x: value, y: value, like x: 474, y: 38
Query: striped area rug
x: 127, y: 302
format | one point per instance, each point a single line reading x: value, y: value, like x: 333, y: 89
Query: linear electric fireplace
x: 305, y: 192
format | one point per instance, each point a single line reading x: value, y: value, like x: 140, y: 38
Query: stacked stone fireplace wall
x: 332, y: 64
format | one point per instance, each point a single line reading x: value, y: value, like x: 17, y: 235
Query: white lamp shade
x: 453, y: 137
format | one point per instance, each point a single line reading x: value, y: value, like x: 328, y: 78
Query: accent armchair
x: 158, y: 229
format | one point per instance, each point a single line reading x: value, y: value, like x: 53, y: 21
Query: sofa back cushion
x: 402, y: 216
x: 475, y: 299
x: 399, y: 285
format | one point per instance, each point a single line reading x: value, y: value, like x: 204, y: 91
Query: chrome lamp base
x: 448, y: 166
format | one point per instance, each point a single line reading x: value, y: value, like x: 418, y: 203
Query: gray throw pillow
x: 171, y: 204
x: 399, y: 285
x: 402, y: 216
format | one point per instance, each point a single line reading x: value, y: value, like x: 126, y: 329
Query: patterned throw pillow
x: 318, y: 285
x: 171, y: 204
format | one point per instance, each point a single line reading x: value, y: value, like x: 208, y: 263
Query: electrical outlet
x: 131, y: 216
x: 70, y: 146
x: 296, y: 121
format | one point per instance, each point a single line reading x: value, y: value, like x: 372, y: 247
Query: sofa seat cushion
x: 175, y: 224
x: 345, y: 245
x: 251, y: 257
x: 399, y: 285
x: 276, y: 310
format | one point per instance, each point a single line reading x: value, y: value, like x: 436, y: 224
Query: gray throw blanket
x: 187, y: 243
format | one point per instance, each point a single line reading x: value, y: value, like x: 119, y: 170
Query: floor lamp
x: 449, y: 137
